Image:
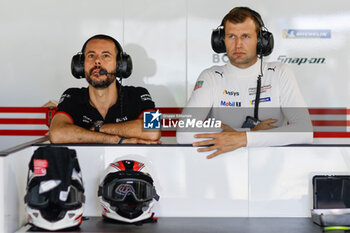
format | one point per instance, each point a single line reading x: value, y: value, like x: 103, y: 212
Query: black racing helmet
x: 55, y: 194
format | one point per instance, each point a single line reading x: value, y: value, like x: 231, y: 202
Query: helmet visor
x: 35, y: 199
x: 118, y: 189
x: 74, y: 199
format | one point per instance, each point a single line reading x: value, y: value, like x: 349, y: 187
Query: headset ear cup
x: 265, y: 43
x: 218, y: 40
x: 77, y: 66
x: 124, y: 65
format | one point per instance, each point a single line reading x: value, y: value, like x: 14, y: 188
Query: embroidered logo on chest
x: 87, y: 120
x: 230, y: 93
x: 263, y: 89
x: 122, y: 119
x: 261, y: 100
x: 230, y: 103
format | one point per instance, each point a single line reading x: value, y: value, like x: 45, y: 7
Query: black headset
x: 124, y: 62
x: 265, y: 38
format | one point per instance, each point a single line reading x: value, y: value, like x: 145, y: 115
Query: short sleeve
x: 143, y: 100
x: 68, y: 103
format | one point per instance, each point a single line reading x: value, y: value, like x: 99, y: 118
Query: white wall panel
x: 155, y: 36
x: 38, y: 40
x: 91, y: 160
x: 14, y: 188
x: 326, y: 84
x: 280, y: 179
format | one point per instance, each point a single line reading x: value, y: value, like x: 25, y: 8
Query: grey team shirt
x: 227, y: 93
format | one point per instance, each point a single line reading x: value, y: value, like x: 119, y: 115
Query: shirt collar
x: 86, y: 97
x: 253, y: 70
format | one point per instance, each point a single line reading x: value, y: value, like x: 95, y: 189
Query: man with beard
x: 105, y: 111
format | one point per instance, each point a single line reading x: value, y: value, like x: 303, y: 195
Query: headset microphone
x: 104, y: 72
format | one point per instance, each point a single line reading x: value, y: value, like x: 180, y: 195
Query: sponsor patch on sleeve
x: 63, y: 97
x: 146, y: 97
x: 198, y: 85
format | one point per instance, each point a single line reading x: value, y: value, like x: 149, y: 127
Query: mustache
x: 95, y: 67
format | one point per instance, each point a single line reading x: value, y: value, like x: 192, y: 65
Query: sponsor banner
x: 306, y: 33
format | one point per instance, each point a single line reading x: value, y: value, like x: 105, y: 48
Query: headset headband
x: 265, y: 38
x: 124, y: 62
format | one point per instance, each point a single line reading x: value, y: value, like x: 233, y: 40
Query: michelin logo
x: 151, y: 120
x: 303, y: 34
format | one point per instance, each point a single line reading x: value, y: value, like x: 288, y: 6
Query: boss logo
x: 217, y: 58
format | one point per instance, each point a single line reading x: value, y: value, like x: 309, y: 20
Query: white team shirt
x: 227, y: 93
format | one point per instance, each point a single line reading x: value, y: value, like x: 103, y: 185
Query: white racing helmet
x: 55, y: 194
x: 126, y: 192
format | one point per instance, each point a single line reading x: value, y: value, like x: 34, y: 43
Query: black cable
x: 121, y: 96
x: 258, y: 90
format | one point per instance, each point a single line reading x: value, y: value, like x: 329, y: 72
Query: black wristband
x: 97, y: 125
x: 121, y: 140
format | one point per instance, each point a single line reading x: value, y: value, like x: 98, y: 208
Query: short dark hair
x: 101, y: 37
x: 240, y: 14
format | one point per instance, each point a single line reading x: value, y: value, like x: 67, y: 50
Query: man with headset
x: 231, y: 93
x: 105, y: 111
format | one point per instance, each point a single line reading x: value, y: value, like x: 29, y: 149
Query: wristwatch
x: 97, y: 125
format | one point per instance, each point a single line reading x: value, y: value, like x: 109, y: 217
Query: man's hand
x: 265, y: 124
x: 221, y: 142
